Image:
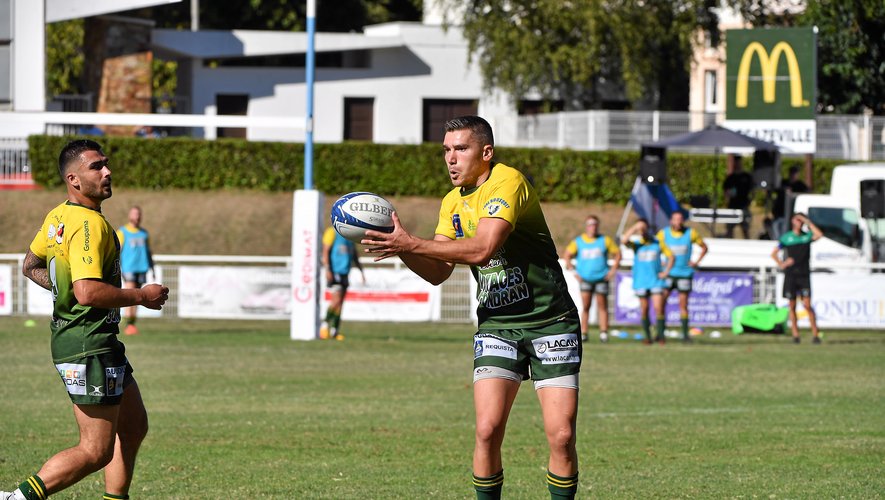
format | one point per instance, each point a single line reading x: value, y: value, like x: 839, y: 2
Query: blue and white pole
x: 307, y: 217
x: 308, y: 81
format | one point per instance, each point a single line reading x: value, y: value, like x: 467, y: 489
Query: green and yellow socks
x: 646, y: 327
x: 489, y: 488
x: 562, y: 487
x: 684, y: 321
x: 32, y: 489
x: 111, y: 496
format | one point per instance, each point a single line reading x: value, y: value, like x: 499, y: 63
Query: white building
x: 394, y: 83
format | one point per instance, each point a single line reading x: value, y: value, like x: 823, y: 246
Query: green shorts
x: 546, y: 352
x: 98, y: 376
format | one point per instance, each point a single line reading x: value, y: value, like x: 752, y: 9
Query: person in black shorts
x: 796, y: 264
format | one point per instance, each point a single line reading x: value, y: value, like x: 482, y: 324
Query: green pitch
x: 237, y: 410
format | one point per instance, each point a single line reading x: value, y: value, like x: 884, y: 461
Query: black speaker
x: 653, y: 165
x: 872, y: 198
x: 767, y: 169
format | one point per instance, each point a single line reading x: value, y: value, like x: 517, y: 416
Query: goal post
x: 307, y: 213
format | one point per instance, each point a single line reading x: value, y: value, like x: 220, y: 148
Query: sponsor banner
x: 842, y: 301
x: 5, y: 290
x: 488, y: 345
x: 792, y: 136
x: 305, y: 271
x: 233, y: 292
x: 713, y: 297
x: 557, y: 349
x: 387, y: 295
x: 74, y: 377
x: 39, y: 301
x: 264, y: 293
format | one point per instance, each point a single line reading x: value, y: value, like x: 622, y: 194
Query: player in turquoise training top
x: 796, y: 264
x: 135, y: 260
x: 648, y: 275
x: 679, y: 240
x: 528, y: 325
x: 76, y: 256
x: 339, y: 256
x: 591, y: 252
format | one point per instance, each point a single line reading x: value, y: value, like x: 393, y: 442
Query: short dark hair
x: 643, y: 220
x: 794, y: 169
x: 72, y: 150
x: 477, y: 126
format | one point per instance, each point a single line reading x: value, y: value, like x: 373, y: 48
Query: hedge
x: 391, y: 170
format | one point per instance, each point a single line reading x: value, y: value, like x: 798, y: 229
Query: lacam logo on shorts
x: 493, y: 346
x: 74, y: 377
x: 557, y: 349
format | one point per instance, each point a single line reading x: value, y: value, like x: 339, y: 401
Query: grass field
x: 238, y: 410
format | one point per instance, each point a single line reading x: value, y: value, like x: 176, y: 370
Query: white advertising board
x: 387, y: 295
x: 233, y: 292
x: 840, y: 301
x: 5, y: 290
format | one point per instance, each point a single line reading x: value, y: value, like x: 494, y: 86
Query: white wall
x: 432, y: 64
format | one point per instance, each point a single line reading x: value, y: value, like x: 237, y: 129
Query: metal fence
x: 456, y: 306
x: 454, y: 297
x: 848, y: 137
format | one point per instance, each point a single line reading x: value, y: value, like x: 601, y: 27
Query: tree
x: 564, y: 50
x: 850, y: 48
x: 850, y: 54
x: 64, y: 57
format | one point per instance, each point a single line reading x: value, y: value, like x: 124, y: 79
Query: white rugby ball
x: 355, y: 213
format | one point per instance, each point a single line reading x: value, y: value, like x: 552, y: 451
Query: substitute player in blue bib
x: 679, y: 240
x: 591, y: 252
x: 135, y: 260
x: 339, y: 256
x: 528, y: 324
x: 648, y: 275
x: 795, y: 244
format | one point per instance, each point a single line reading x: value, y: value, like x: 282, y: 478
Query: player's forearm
x: 431, y: 270
x: 469, y: 251
x: 95, y: 293
x: 34, y: 268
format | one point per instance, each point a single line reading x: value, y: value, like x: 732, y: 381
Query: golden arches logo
x: 769, y: 64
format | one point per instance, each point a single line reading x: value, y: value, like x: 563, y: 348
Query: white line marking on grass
x: 699, y: 411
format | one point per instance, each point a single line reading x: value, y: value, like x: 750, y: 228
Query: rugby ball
x: 355, y: 213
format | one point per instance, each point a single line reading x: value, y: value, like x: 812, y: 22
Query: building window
x: 436, y: 112
x: 711, y: 94
x: 232, y: 104
x: 359, y: 115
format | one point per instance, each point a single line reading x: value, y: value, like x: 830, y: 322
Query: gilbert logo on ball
x: 355, y: 213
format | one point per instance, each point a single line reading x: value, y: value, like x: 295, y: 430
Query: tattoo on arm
x: 35, y: 269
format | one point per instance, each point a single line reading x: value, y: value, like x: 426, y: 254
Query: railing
x: 848, y: 137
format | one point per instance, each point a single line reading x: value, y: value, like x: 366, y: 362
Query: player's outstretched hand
x: 154, y: 296
x: 388, y: 244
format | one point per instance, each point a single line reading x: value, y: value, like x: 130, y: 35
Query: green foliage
x: 851, y: 54
x: 64, y: 57
x: 850, y: 48
x: 400, y: 170
x: 164, y: 83
x: 531, y: 46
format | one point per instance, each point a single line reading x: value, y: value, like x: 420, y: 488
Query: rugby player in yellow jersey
x: 528, y: 323
x: 76, y: 255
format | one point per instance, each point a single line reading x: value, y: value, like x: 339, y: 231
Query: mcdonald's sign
x: 771, y: 86
x: 771, y: 74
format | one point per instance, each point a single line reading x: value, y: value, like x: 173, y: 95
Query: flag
x: 655, y: 203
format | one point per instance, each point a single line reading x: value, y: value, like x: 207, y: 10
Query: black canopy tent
x: 713, y: 137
